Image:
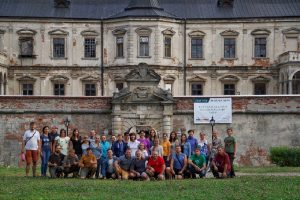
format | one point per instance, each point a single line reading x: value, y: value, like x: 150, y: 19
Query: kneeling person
x: 197, y: 164
x: 156, y: 166
x: 109, y: 168
x: 122, y: 165
x: 88, y: 164
x: 71, y: 164
x: 221, y: 164
x: 55, y: 163
x: 178, y: 164
x: 138, y: 167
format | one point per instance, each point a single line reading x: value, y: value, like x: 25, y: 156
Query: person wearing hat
x: 55, y: 163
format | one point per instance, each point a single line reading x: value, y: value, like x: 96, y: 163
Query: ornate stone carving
x: 142, y: 74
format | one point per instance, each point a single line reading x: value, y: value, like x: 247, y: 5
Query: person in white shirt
x: 31, y: 145
x: 202, y: 140
x: 63, y: 140
x: 133, y: 144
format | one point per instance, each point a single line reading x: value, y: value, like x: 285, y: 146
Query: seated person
x: 197, y: 163
x: 110, y: 171
x: 220, y: 165
x: 71, y: 164
x: 138, y: 166
x: 88, y: 164
x: 55, y: 163
x: 178, y: 164
x: 122, y: 165
x: 156, y: 166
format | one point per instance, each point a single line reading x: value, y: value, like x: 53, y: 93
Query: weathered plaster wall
x: 258, y: 122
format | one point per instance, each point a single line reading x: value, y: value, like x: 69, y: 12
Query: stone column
x: 290, y: 87
x: 167, y: 117
x: 117, y: 124
x: 130, y: 41
x: 166, y: 124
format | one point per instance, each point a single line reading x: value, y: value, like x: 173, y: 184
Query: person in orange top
x: 166, y: 149
x: 88, y: 164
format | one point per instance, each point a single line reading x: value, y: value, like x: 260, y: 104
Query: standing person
x: 119, y: 147
x: 197, y: 164
x: 110, y: 171
x: 105, y: 145
x: 185, y: 145
x: 216, y: 142
x: 173, y: 141
x: 85, y: 144
x: 166, y: 145
x: 138, y: 166
x: 71, y: 164
x: 126, y: 137
x: 144, y: 140
x: 143, y: 150
x: 92, y: 136
x: 97, y: 151
x: 203, y: 145
x: 31, y: 143
x: 156, y: 166
x: 133, y: 144
x: 157, y: 147
x: 52, y: 135
x: 152, y: 136
x: 88, y: 164
x: 192, y: 140
x: 76, y: 142
x: 220, y: 165
x: 113, y: 139
x: 63, y: 140
x: 178, y: 164
x: 45, y: 150
x: 122, y: 165
x: 56, y: 163
x: 230, y: 149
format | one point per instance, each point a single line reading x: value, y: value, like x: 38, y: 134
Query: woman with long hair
x: 63, y: 140
x: 46, y: 150
x: 76, y: 142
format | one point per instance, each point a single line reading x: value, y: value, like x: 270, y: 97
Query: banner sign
x: 218, y: 108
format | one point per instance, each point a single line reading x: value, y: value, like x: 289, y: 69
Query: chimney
x: 61, y: 3
x: 225, y: 3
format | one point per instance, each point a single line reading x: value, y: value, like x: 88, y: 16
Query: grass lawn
x: 14, y: 186
x: 273, y: 169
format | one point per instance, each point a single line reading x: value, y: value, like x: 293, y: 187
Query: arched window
x: 296, y: 83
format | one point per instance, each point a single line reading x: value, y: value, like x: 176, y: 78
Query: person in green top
x: 197, y: 164
x: 230, y: 149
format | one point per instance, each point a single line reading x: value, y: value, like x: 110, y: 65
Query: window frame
x: 260, y: 49
x: 86, y: 89
x: 260, y: 34
x: 201, y: 49
x: 234, y: 89
x: 143, y: 32
x: 64, y: 88
x: 224, y: 46
x: 22, y: 88
x: 91, y: 46
x: 170, y: 47
x: 118, y: 45
x: 197, y: 83
x: 59, y: 34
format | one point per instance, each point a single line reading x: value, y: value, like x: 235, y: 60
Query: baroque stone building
x: 200, y: 47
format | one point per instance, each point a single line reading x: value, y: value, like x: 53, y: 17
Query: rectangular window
x: 197, y: 89
x: 229, y: 89
x: 27, y: 89
x: 90, y: 89
x: 58, y: 47
x: 90, y: 48
x: 120, y: 47
x: 259, y: 88
x: 229, y: 47
x: 168, y: 47
x: 59, y: 89
x: 26, y: 46
x: 197, y: 48
x: 144, y: 46
x: 119, y: 86
x: 260, y: 48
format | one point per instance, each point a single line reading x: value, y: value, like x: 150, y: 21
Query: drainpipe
x: 184, y: 59
x: 102, y: 65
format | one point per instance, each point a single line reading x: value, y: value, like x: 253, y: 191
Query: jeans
x: 45, y: 157
x: 231, y: 157
x: 99, y: 167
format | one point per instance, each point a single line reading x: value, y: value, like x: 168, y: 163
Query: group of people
x: 127, y: 156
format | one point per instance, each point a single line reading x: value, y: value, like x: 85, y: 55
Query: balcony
x: 288, y: 57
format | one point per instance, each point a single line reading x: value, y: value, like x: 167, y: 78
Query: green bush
x: 285, y: 156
